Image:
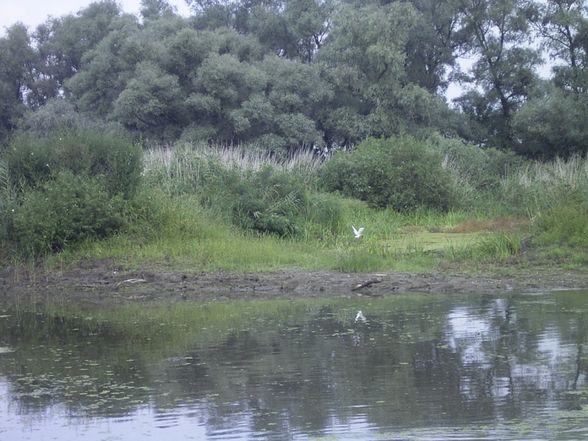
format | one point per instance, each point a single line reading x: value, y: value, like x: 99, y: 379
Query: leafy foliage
x: 551, y: 124
x: 150, y: 101
x: 63, y: 212
x: 505, y: 69
x: 403, y: 173
x: 60, y: 190
x: 59, y: 116
x: 15, y: 55
x: 264, y: 201
x: 115, y: 160
x: 289, y: 75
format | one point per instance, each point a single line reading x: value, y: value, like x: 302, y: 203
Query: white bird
x: 360, y: 317
x: 357, y: 232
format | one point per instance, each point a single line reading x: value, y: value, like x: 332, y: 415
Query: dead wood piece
x: 130, y: 281
x: 366, y: 284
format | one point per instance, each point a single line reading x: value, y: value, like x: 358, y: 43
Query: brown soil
x: 102, y: 283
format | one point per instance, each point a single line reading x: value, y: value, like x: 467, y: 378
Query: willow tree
x: 553, y: 121
x: 504, y: 70
x: 17, y: 60
x: 365, y: 57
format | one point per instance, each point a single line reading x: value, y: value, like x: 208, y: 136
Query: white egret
x: 357, y: 232
x: 360, y: 317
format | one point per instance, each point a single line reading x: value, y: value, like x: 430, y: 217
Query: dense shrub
x: 477, y: 173
x: 278, y: 202
x: 403, y: 173
x: 64, y: 211
x: 269, y: 201
x: 32, y: 161
x: 264, y: 200
x: 482, y: 168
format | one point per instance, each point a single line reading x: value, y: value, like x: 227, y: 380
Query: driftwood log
x: 366, y: 284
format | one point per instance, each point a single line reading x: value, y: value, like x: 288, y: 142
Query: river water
x: 419, y: 367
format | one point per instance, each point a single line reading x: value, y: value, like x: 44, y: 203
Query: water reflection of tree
x: 404, y: 368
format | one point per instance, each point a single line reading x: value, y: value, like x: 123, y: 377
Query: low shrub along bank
x: 259, y: 195
x: 402, y: 173
x: 62, y: 212
x: 117, y: 161
x: 60, y: 190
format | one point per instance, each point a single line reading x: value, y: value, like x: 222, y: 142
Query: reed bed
x: 186, y: 158
x: 537, y: 187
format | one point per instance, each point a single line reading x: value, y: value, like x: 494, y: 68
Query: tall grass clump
x: 566, y: 223
x: 6, y: 207
x: 497, y: 247
x: 538, y: 187
x: 554, y: 195
x: 477, y: 173
x: 402, y: 173
x: 184, y: 167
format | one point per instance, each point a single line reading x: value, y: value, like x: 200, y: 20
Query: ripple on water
x: 445, y: 368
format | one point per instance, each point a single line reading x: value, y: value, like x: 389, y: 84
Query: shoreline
x: 103, y: 284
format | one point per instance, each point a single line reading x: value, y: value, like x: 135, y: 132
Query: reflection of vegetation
x: 419, y: 361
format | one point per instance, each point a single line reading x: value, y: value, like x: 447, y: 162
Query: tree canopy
x: 290, y: 74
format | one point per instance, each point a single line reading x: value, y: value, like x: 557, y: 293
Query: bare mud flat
x: 103, y: 283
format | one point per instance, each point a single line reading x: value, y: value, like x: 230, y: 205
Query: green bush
x: 482, y: 168
x: 268, y: 201
x: 477, y: 173
x: 62, y: 212
x: 32, y: 161
x: 403, y: 173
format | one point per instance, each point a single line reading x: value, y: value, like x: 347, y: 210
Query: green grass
x: 191, y: 238
x: 174, y: 224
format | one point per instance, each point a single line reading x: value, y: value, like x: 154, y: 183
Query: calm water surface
x: 424, y: 367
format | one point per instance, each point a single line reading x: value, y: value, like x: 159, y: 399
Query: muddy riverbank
x: 103, y: 283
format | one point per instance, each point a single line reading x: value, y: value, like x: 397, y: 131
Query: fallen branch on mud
x: 130, y: 281
x: 366, y: 284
